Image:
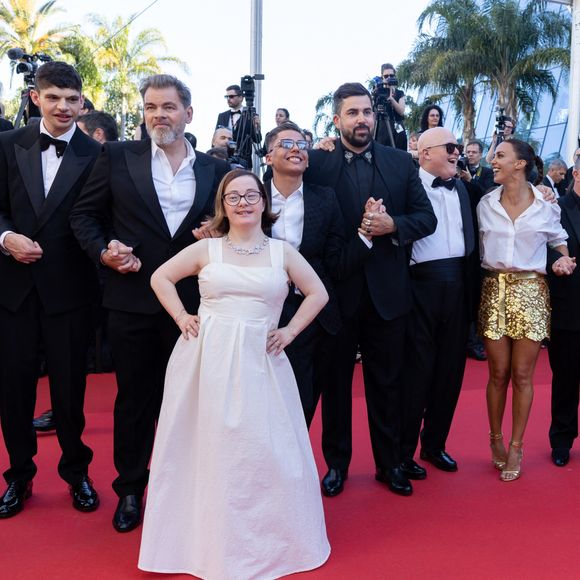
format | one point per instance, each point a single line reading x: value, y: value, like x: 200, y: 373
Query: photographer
x: 470, y: 169
x: 242, y: 121
x: 389, y: 104
x: 505, y: 127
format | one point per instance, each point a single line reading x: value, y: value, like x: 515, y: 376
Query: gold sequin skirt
x: 514, y: 304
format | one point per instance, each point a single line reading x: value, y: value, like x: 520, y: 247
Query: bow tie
x: 46, y: 141
x: 448, y: 183
x: 366, y: 156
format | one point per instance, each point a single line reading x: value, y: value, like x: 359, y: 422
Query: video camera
x: 27, y: 63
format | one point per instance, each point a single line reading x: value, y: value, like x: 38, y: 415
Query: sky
x: 309, y: 48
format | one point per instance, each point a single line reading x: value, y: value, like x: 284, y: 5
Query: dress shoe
x: 560, y: 456
x: 333, y: 482
x: 440, y: 459
x: 412, y: 470
x: 44, y: 422
x: 128, y: 513
x: 85, y: 498
x: 477, y: 352
x: 395, y: 479
x: 12, y: 501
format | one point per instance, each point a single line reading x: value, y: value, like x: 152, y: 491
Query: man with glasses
x: 137, y: 210
x: 441, y: 274
x: 310, y: 220
x: 244, y: 130
x: 508, y: 133
x: 394, y: 112
x: 385, y: 209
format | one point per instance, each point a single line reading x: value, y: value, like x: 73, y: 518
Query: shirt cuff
x: 2, y: 238
x: 368, y: 243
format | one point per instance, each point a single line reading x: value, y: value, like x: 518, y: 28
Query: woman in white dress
x: 515, y: 227
x: 233, y: 491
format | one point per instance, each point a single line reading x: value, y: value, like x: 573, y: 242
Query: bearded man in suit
x: 137, y: 210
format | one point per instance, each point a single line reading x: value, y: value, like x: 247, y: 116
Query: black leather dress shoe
x: 440, y: 459
x: 85, y: 498
x: 44, y: 422
x: 395, y: 479
x: 412, y: 470
x: 333, y: 482
x: 128, y: 513
x: 477, y: 352
x: 12, y: 501
x: 560, y: 456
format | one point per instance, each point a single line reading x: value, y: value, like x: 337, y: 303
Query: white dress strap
x: 214, y: 249
x: 277, y: 253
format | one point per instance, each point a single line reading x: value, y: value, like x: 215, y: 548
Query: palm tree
x: 26, y: 25
x: 519, y: 45
x: 444, y: 59
x: 125, y: 60
x: 323, y: 123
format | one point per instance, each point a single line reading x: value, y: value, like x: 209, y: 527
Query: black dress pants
x: 141, y: 345
x: 382, y: 348
x: 435, y: 361
x: 564, y: 350
x: 66, y: 338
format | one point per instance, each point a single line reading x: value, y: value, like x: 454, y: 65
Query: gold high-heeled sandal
x: 497, y: 463
x: 513, y: 474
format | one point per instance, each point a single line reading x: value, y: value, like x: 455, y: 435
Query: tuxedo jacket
x: 548, y: 183
x: 322, y: 242
x: 119, y: 202
x: 223, y: 119
x: 565, y: 290
x: 64, y: 278
x: 384, y: 267
x: 484, y: 178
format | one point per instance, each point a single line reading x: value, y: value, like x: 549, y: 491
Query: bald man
x: 440, y: 280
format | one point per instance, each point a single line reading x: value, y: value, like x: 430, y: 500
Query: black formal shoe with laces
x: 560, y: 456
x: 85, y: 498
x: 13, y: 499
x: 333, y: 482
x: 412, y: 470
x: 395, y: 479
x: 440, y: 459
x: 128, y: 513
x: 44, y: 422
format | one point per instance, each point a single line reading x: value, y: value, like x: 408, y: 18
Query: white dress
x: 233, y: 490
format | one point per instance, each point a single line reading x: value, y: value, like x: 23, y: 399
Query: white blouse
x: 521, y: 245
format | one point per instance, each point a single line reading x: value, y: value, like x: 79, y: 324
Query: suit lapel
x: 204, y: 178
x: 139, y: 166
x: 570, y: 206
x: 29, y: 162
x: 464, y: 203
x: 74, y: 162
x: 384, y: 169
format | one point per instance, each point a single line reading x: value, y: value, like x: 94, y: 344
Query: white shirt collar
x: 276, y: 193
x: 190, y: 156
x: 64, y: 137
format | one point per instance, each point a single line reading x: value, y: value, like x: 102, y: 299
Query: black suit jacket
x: 548, y: 183
x: 385, y: 266
x: 322, y: 242
x: 5, y: 125
x: 64, y: 277
x: 484, y: 178
x: 223, y: 120
x: 119, y: 202
x: 565, y: 290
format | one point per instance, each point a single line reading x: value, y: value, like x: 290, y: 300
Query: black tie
x: 46, y: 141
x: 366, y: 156
x: 448, y: 183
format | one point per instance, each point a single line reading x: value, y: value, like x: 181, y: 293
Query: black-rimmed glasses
x: 389, y: 76
x: 234, y: 198
x: 449, y: 147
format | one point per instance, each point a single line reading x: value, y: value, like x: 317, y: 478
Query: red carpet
x: 466, y: 525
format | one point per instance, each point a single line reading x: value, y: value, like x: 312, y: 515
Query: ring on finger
x: 368, y: 230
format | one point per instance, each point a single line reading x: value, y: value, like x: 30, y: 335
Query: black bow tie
x: 366, y: 156
x: 46, y: 141
x: 448, y: 183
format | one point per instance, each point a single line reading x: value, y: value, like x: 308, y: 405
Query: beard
x: 162, y: 135
x: 360, y: 140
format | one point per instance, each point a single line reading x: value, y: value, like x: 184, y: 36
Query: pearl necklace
x: 245, y: 251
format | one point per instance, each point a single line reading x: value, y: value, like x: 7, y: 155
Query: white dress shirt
x: 290, y: 222
x: 518, y: 246
x: 447, y: 240
x: 175, y: 192
x: 50, y: 165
